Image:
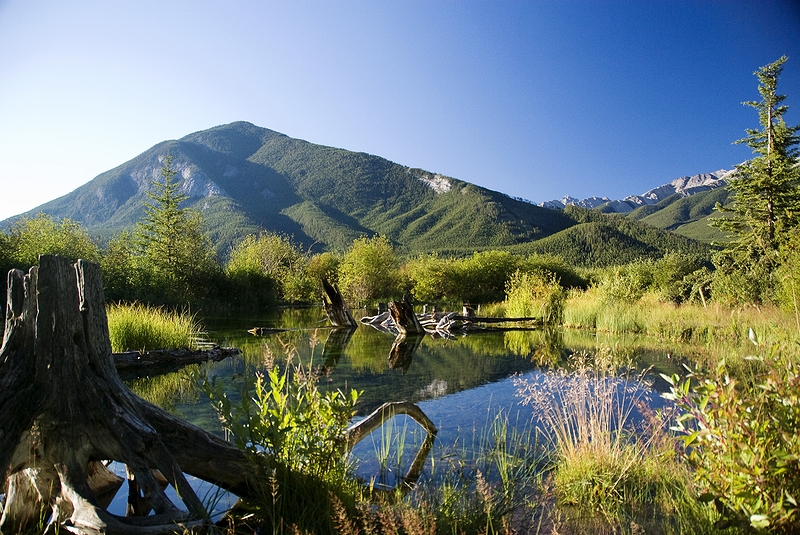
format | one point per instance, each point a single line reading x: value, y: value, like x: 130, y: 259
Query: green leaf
x: 706, y: 497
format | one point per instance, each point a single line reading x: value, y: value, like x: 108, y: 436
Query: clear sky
x: 535, y: 99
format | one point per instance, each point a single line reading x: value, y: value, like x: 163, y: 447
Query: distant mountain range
x: 244, y: 178
x: 684, y: 186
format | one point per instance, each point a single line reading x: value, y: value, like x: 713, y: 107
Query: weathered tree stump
x: 63, y: 408
x: 335, y: 307
x: 404, y: 317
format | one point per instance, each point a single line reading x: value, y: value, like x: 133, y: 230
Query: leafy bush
x: 269, y: 267
x: 30, y: 237
x: 742, y: 440
x: 674, y: 276
x: 788, y: 275
x: 286, y: 416
x: 295, y: 436
x: 434, y: 279
x: 535, y: 294
x: 369, y: 270
x: 565, y: 274
x: 482, y: 277
x: 626, y: 284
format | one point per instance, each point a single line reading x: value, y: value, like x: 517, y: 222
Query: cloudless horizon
x: 535, y: 99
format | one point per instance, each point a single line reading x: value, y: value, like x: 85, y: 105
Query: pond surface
x: 463, y: 384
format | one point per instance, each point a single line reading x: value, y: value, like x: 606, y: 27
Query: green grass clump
x: 139, y: 327
x: 535, y: 294
x: 612, y: 459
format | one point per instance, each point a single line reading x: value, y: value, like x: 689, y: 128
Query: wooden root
x: 63, y: 408
x: 360, y: 430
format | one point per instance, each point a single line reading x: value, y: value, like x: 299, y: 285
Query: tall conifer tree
x: 767, y: 187
x: 172, y: 240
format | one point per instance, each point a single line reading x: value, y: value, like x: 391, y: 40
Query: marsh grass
x: 137, y: 327
x: 708, y: 326
x: 612, y: 462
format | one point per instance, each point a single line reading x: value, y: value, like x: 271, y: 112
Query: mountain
x: 683, y: 187
x: 683, y: 206
x: 244, y: 178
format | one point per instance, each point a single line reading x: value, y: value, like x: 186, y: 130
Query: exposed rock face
x: 684, y: 186
x: 438, y: 183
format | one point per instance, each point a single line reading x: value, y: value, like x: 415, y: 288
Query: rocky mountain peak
x: 684, y: 186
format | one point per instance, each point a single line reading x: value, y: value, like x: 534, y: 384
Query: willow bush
x: 535, y: 294
x: 741, y: 438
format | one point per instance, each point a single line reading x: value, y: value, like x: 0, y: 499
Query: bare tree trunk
x: 404, y: 317
x: 335, y: 307
x: 63, y: 407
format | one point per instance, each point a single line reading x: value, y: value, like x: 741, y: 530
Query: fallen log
x: 135, y: 364
x: 63, y: 407
x: 486, y: 319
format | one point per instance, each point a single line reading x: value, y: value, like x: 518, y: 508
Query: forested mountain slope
x: 244, y: 178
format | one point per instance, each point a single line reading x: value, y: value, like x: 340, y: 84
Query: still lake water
x: 461, y: 383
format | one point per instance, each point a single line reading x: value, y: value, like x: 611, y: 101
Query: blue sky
x: 535, y: 99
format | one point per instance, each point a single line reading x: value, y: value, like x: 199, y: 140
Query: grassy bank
x: 709, y: 326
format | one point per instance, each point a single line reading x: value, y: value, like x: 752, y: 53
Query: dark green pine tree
x: 159, y: 233
x: 767, y: 187
x: 172, y: 241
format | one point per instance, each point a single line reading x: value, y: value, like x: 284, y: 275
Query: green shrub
x: 269, y: 267
x: 30, y: 237
x: 742, y: 439
x: 369, y: 270
x: 626, y: 284
x: 482, y: 277
x: 565, y: 274
x: 535, y: 294
x: 674, y: 276
x: 788, y: 276
x: 429, y: 277
x: 295, y: 436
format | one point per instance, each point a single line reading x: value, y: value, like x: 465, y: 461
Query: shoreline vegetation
x: 725, y: 453
x: 637, y: 479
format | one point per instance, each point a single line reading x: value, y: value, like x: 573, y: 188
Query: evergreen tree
x: 766, y: 188
x: 173, y: 243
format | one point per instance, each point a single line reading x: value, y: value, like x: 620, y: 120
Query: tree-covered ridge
x: 687, y: 216
x: 244, y: 179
